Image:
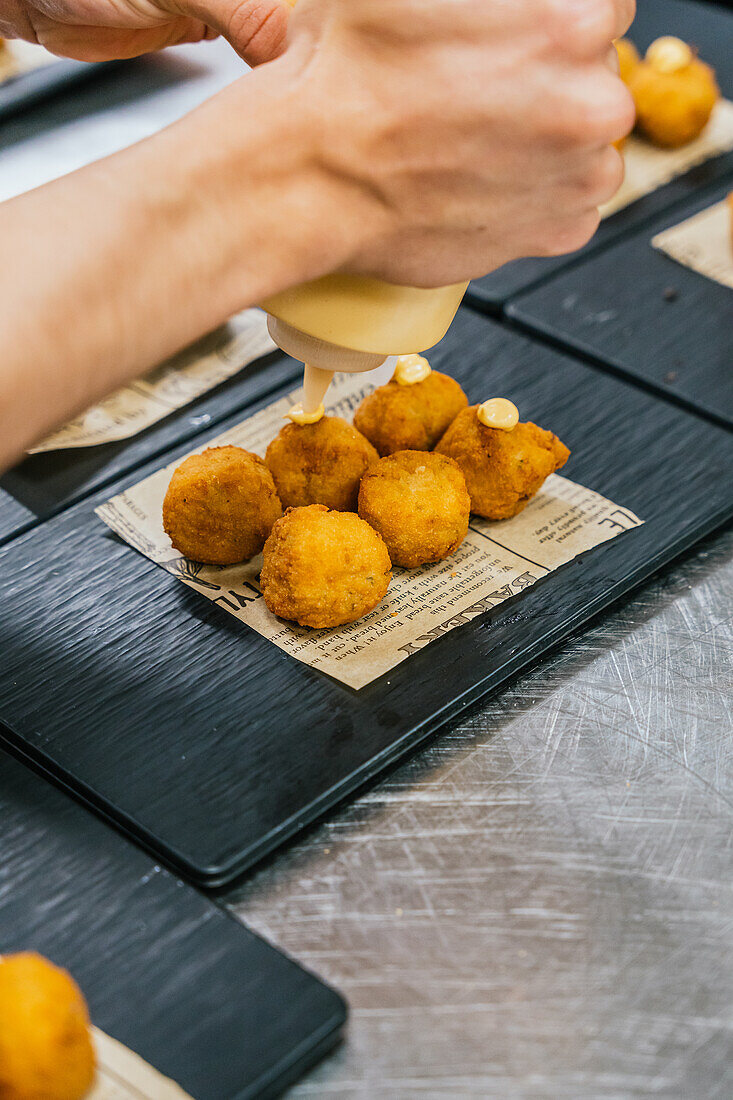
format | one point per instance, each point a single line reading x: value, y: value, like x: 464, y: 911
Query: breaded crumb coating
x: 220, y: 506
x: 319, y: 463
x: 323, y: 568
x: 46, y: 1050
x: 419, y: 504
x: 410, y: 418
x: 503, y: 470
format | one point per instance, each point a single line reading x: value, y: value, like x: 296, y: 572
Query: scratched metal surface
x: 540, y: 904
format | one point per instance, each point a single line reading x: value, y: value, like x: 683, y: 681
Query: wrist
x: 267, y: 210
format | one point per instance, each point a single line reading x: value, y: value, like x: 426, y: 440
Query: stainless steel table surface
x: 539, y: 904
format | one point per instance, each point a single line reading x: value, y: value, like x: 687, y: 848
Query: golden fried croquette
x: 323, y: 568
x: 319, y: 463
x: 410, y: 418
x: 628, y: 58
x: 503, y: 470
x: 46, y: 1050
x: 220, y: 506
x: 674, y: 92
x: 419, y: 504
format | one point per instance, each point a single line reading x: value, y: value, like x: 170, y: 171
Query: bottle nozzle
x: 320, y: 353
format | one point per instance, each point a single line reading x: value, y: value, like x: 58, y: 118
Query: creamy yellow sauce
x: 315, y: 384
x: 498, y: 413
x: 669, y: 55
x: 411, y: 369
x: 299, y: 416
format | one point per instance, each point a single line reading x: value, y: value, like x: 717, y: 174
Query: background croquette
x: 46, y: 1050
x: 323, y: 568
x: 503, y: 470
x: 673, y: 107
x: 220, y: 506
x: 419, y: 504
x: 319, y: 463
x: 410, y: 418
x: 628, y: 58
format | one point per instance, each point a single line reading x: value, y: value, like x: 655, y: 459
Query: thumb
x: 257, y: 29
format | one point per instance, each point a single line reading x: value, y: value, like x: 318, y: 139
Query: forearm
x: 110, y: 269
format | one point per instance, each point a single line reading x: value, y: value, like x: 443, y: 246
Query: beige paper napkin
x: 702, y: 243
x: 123, y: 1075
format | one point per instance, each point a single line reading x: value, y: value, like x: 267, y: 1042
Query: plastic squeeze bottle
x: 352, y: 323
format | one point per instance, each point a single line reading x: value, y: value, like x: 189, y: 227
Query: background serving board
x: 639, y: 312
x: 166, y: 972
x: 212, y: 746
x: 27, y: 88
x: 708, y: 26
x: 44, y: 484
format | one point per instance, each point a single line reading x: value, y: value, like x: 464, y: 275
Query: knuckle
x: 582, y: 27
x: 620, y: 111
x: 604, y: 177
x: 603, y: 118
x: 571, y: 234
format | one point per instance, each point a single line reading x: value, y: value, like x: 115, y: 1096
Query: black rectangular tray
x: 26, y: 89
x: 44, y: 484
x: 638, y: 312
x: 212, y: 746
x: 164, y: 971
x: 708, y: 26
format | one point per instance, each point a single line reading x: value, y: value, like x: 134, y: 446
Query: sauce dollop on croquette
x: 411, y: 369
x: 497, y: 412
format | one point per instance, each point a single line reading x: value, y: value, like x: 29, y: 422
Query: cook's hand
x: 474, y: 132
x: 103, y: 30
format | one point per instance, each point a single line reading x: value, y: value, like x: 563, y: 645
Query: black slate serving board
x: 708, y: 26
x: 28, y: 88
x: 164, y: 971
x: 46, y: 483
x: 211, y: 745
x: 636, y: 311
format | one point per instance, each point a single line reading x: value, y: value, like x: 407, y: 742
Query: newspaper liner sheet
x: 496, y: 561
x: 703, y: 243
x: 173, y: 384
x: 123, y: 1075
x: 649, y: 167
